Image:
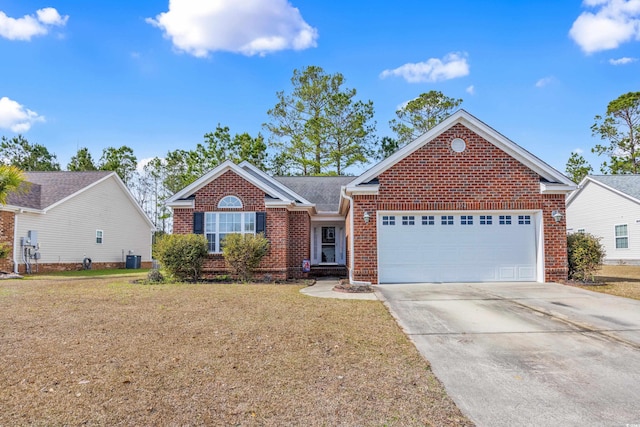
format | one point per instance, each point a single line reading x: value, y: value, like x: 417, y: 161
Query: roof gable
x: 50, y: 189
x: 551, y: 176
x: 47, y: 189
x: 627, y: 186
x: 248, y: 172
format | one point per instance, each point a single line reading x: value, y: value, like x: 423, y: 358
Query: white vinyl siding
x: 67, y: 232
x: 597, y: 211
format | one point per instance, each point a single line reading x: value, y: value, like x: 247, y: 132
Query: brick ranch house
x: 461, y: 203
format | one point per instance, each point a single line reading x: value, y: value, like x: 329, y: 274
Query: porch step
x: 328, y: 270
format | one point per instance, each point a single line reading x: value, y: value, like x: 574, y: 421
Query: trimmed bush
x: 182, y: 255
x: 585, y: 256
x: 243, y: 253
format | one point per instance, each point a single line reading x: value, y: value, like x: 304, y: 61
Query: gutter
x: 343, y: 193
x: 15, y: 242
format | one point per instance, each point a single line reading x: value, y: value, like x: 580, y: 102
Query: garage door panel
x: 464, y: 251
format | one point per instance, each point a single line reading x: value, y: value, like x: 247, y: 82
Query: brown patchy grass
x: 104, y: 351
x: 621, y: 280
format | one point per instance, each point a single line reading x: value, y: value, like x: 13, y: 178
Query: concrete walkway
x: 323, y: 288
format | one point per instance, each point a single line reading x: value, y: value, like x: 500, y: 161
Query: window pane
x: 249, y: 222
x: 211, y: 242
x: 230, y: 222
x: 621, y: 230
x: 210, y: 222
x: 230, y: 202
x: 622, y: 243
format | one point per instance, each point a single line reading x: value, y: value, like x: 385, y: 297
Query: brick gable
x: 435, y: 177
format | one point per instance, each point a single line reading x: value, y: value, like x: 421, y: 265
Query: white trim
x: 15, y: 244
x: 480, y: 128
x: 230, y: 197
x: 182, y: 204
x: 364, y: 190
x: 615, y: 237
x: 554, y: 188
x: 101, y: 242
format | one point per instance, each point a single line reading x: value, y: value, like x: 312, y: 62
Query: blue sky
x: 158, y: 75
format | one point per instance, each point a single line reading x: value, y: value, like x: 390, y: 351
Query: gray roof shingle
x: 323, y: 191
x: 627, y: 184
x: 48, y: 188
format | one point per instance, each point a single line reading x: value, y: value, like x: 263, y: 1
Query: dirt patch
x: 346, y: 287
x: 620, y: 280
x: 104, y: 351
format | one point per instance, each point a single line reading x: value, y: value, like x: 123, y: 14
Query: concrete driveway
x: 527, y: 353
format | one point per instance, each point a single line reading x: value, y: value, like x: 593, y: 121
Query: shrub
x: 585, y: 255
x: 243, y: 253
x: 182, y: 255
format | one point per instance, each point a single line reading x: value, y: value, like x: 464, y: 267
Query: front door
x: 328, y: 245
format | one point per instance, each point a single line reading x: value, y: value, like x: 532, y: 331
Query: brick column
x: 556, y: 266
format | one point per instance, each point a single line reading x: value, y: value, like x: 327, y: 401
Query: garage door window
x: 466, y: 220
x: 622, y: 237
x: 524, y: 219
x: 389, y: 220
x: 408, y: 220
x: 505, y: 219
x: 486, y: 219
x: 428, y: 220
x: 446, y: 220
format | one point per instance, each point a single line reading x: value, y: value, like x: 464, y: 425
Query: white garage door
x: 451, y: 247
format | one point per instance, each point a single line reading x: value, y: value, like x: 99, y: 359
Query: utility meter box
x: 32, y: 237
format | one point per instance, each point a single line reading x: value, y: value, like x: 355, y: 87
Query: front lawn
x: 105, y: 351
x: 621, y: 280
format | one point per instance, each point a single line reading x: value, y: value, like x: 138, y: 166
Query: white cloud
x: 545, y: 81
x: 16, y: 117
x: 622, y: 61
x: 471, y: 90
x: 578, y: 151
x: 613, y: 23
x: 453, y: 65
x: 29, y: 25
x: 249, y: 27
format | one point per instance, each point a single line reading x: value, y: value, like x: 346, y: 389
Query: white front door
x: 457, y: 247
x: 327, y: 244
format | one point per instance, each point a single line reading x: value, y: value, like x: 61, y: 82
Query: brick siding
x: 287, y: 232
x: 434, y: 177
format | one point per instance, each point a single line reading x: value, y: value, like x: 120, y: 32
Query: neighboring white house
x: 66, y: 218
x: 608, y: 206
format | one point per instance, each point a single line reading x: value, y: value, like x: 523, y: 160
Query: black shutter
x: 198, y: 223
x: 261, y: 222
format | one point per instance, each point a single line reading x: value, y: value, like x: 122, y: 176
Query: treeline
x: 318, y: 127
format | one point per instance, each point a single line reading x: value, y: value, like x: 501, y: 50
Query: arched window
x: 230, y: 202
